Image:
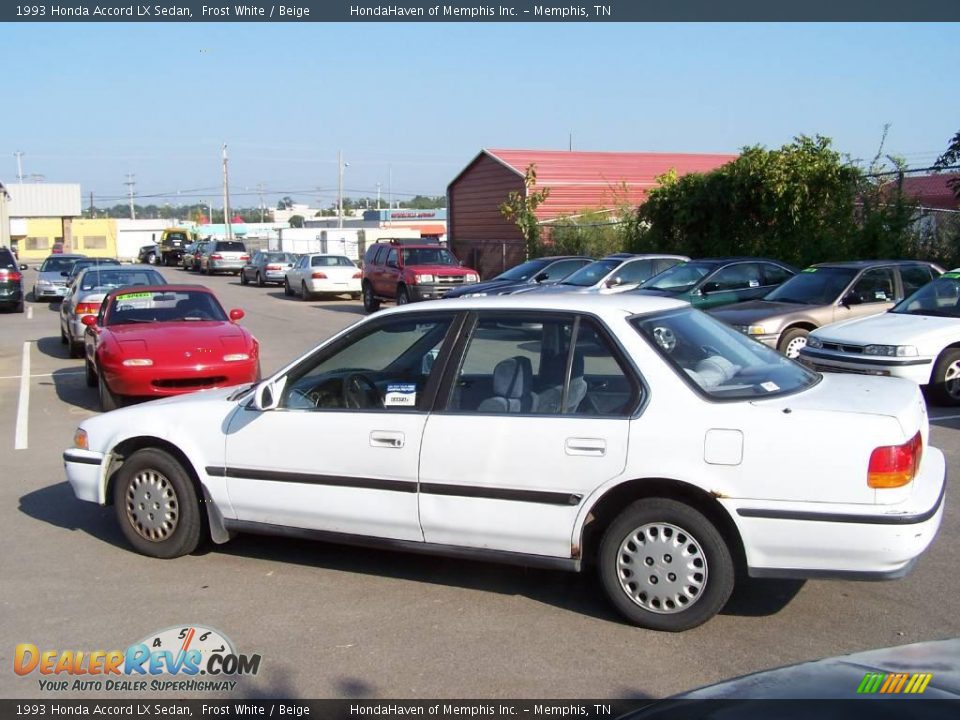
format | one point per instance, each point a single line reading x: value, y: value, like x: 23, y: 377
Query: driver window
x: 385, y: 367
x: 736, y: 277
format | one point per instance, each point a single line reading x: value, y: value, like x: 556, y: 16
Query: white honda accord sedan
x: 629, y: 432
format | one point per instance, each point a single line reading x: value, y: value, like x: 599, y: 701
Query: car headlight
x: 46, y: 283
x: 236, y: 357
x: 423, y: 278
x: 814, y: 342
x: 471, y: 277
x: 138, y: 362
x: 891, y: 350
x: 80, y: 439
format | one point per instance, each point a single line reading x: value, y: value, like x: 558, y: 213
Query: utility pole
x: 340, y: 166
x: 389, y: 186
x: 262, y: 206
x: 19, y: 156
x: 91, y: 203
x: 378, y: 195
x: 130, y: 183
x: 226, y: 195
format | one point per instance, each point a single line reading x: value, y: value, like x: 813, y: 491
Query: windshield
x: 814, y: 286
x: 679, y: 278
x: 940, y: 297
x: 277, y: 257
x: 590, y: 275
x: 718, y: 360
x: 152, y: 306
x: 107, y: 277
x: 428, y: 256
x: 524, y: 271
x: 57, y: 264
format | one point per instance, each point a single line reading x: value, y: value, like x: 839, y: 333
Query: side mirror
x: 89, y: 320
x: 851, y: 298
x: 614, y: 282
x: 64, y: 273
x: 266, y: 396
x: 391, y: 264
x: 540, y: 277
x: 236, y: 314
x: 24, y: 266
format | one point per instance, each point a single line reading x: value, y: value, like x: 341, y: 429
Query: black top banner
x: 213, y: 11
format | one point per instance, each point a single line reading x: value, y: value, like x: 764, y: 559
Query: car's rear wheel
x: 108, y: 400
x: 370, y: 303
x: 792, y: 342
x: 287, y: 290
x: 260, y: 282
x: 91, y: 374
x: 304, y: 293
x: 63, y: 336
x: 156, y: 505
x: 945, y: 385
x: 403, y: 297
x: 243, y: 278
x: 665, y: 566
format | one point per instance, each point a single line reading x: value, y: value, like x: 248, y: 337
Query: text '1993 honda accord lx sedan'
x: 631, y: 431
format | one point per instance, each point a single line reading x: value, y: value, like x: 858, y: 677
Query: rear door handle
x: 386, y: 439
x: 593, y: 447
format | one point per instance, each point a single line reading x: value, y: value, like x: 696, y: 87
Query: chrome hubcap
x: 662, y: 568
x: 795, y: 346
x: 951, y: 380
x: 152, y: 506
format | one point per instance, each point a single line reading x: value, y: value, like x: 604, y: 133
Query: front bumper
x: 49, y: 291
x: 168, y: 380
x: 857, y: 542
x: 417, y: 293
x: 916, y: 369
x: 85, y: 470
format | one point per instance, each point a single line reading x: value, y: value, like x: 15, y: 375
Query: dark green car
x: 713, y: 282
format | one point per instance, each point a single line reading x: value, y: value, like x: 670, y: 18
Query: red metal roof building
x: 578, y: 181
x: 932, y: 191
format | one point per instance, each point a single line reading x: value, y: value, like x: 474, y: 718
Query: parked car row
x: 214, y: 256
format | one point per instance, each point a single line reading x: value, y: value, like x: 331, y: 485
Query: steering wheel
x: 665, y: 338
x: 360, y: 392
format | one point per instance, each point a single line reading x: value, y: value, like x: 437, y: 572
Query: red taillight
x: 274, y: 267
x: 318, y: 276
x: 216, y: 256
x: 357, y: 275
x: 87, y: 308
x: 894, y: 466
x: 10, y: 275
x: 244, y: 257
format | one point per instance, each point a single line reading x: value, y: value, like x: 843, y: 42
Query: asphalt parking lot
x: 331, y: 621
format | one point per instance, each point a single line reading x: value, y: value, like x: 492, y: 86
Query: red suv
x: 409, y: 271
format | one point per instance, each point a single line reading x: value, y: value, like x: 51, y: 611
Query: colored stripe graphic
x: 894, y: 683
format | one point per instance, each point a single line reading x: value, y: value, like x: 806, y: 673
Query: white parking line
x: 23, y: 404
x: 30, y: 312
x: 945, y: 417
x: 36, y: 375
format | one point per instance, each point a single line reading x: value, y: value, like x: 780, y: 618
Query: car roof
x: 161, y: 288
x: 644, y: 256
x: 859, y: 264
x: 633, y: 304
x: 64, y: 256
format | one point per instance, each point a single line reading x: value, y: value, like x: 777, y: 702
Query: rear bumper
x: 11, y: 297
x: 224, y: 265
x: 824, y: 540
x: 330, y: 286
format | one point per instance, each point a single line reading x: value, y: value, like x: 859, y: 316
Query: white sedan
x: 918, y: 339
x: 629, y: 431
x: 322, y: 274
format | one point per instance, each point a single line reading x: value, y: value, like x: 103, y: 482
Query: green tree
x: 285, y: 203
x: 520, y: 207
x: 950, y: 158
x: 296, y: 221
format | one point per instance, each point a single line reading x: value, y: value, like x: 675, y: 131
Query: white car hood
x: 922, y: 331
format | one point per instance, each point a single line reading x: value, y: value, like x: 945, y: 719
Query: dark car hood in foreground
x: 755, y: 310
x: 491, y: 287
x: 827, y: 689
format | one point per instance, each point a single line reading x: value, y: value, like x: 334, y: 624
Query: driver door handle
x: 593, y: 447
x: 387, y: 439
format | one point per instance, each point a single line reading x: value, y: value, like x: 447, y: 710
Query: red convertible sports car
x: 154, y: 341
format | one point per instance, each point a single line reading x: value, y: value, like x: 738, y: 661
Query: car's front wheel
x: 91, y: 373
x: 156, y: 505
x: 945, y: 385
x: 792, y: 342
x: 108, y: 401
x: 665, y: 566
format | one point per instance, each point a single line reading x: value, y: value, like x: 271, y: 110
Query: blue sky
x: 91, y: 102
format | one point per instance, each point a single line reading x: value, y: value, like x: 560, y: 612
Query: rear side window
x: 915, y: 277
x: 6, y: 259
x: 774, y: 274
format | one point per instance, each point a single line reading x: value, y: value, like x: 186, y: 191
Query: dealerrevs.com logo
x: 191, y: 657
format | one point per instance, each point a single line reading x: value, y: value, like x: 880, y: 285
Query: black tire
x: 18, y: 307
x: 76, y: 349
x: 403, y: 297
x: 370, y: 303
x: 654, y: 525
x: 287, y: 290
x: 63, y: 337
x: 791, y: 341
x: 243, y: 278
x: 91, y: 374
x: 304, y: 293
x: 151, y: 476
x: 945, y: 381
x: 260, y: 282
x: 108, y: 401
x: 151, y: 259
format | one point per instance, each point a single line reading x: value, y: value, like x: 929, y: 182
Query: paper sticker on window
x: 952, y: 275
x: 135, y: 296
x: 880, y: 295
x: 754, y: 283
x: 401, y: 395
x: 770, y: 386
x: 809, y: 270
